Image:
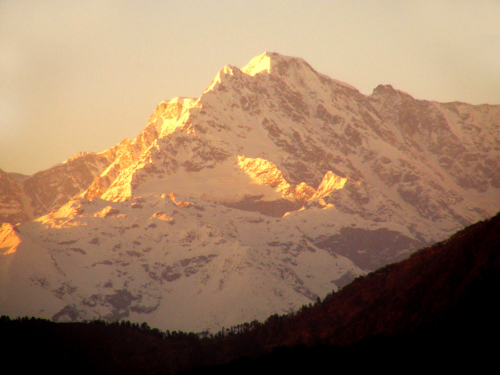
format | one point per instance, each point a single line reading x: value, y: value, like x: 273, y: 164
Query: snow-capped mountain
x: 275, y: 186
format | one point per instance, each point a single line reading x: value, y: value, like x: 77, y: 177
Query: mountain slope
x: 433, y: 309
x: 447, y: 285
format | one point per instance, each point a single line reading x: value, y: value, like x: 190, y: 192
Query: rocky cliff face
x: 273, y: 187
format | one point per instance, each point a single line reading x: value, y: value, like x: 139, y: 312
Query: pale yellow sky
x: 78, y: 76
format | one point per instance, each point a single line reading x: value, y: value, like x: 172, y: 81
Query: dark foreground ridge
x: 437, y: 308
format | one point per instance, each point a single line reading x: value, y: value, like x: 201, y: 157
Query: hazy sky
x: 84, y: 75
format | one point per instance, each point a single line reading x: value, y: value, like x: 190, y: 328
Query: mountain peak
x: 271, y: 62
x: 181, y: 100
x: 259, y: 64
x: 384, y: 88
x: 247, y: 234
x: 388, y: 90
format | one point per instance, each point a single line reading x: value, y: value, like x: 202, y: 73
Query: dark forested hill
x: 437, y: 307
